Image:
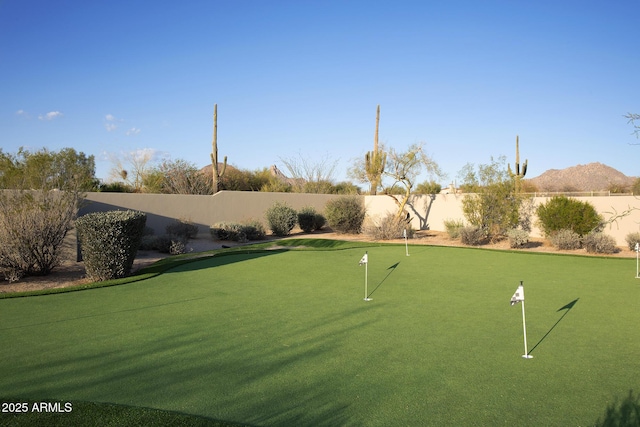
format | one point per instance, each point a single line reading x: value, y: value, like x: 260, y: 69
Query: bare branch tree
x: 634, y: 120
x: 405, y: 167
x: 132, y: 167
x: 304, y: 170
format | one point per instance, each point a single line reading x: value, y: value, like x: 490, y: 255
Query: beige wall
x: 431, y: 213
x: 239, y: 206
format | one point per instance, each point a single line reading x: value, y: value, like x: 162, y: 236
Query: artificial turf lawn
x: 285, y: 338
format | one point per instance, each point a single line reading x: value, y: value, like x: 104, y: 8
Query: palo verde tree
x: 634, y: 120
x: 405, y: 167
x: 42, y: 191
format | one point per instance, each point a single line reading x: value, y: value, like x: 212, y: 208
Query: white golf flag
x: 364, y: 260
x: 518, y: 296
x: 404, y: 233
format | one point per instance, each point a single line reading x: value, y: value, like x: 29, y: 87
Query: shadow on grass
x: 566, y: 307
x: 391, y: 270
x: 622, y: 414
x: 242, y: 381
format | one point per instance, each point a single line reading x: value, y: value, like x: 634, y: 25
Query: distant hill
x: 208, y: 170
x: 590, y: 177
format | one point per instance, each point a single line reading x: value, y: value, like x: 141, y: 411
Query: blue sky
x: 301, y: 79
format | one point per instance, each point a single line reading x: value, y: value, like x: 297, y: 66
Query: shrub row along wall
x: 431, y: 212
x: 204, y: 211
x: 238, y: 206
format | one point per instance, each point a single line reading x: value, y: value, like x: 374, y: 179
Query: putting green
x: 285, y: 338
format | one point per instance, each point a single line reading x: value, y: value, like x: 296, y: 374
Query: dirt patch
x: 72, y: 273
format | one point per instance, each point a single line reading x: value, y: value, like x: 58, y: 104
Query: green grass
x: 284, y: 337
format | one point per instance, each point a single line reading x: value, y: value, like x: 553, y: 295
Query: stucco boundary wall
x: 204, y: 211
x: 430, y: 212
x: 427, y: 212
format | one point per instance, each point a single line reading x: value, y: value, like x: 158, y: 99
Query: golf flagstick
x: 517, y: 297
x: 637, y: 261
x: 406, y: 245
x: 365, y: 261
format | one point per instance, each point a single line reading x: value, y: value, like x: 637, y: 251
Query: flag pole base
x: 368, y: 299
x: 527, y: 356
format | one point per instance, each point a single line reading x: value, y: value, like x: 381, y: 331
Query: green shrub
x: 109, y: 242
x: 517, y: 238
x: 453, y: 227
x: 472, y: 235
x: 319, y: 221
x: 149, y: 243
x: 599, y: 243
x: 225, y: 231
x: 281, y: 219
x: 163, y: 244
x: 564, y: 213
x: 345, y: 214
x: 253, y: 230
x: 388, y: 228
x: 565, y: 239
x: 307, y: 219
x: 633, y: 239
x: 183, y: 229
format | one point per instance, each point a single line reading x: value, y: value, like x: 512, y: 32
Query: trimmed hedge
x: 109, y: 242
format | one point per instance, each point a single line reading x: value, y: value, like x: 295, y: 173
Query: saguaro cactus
x: 217, y: 173
x: 374, y: 161
x: 520, y: 172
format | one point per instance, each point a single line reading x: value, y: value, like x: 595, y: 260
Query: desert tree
x: 177, y: 177
x: 314, y: 176
x: 132, y: 167
x: 404, y: 168
x: 42, y: 192
x: 491, y: 202
x: 634, y: 120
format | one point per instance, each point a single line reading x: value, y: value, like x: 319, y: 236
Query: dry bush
x: 33, y: 225
x: 565, y: 239
x: 387, y: 228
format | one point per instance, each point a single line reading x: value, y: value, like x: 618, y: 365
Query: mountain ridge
x: 594, y: 176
